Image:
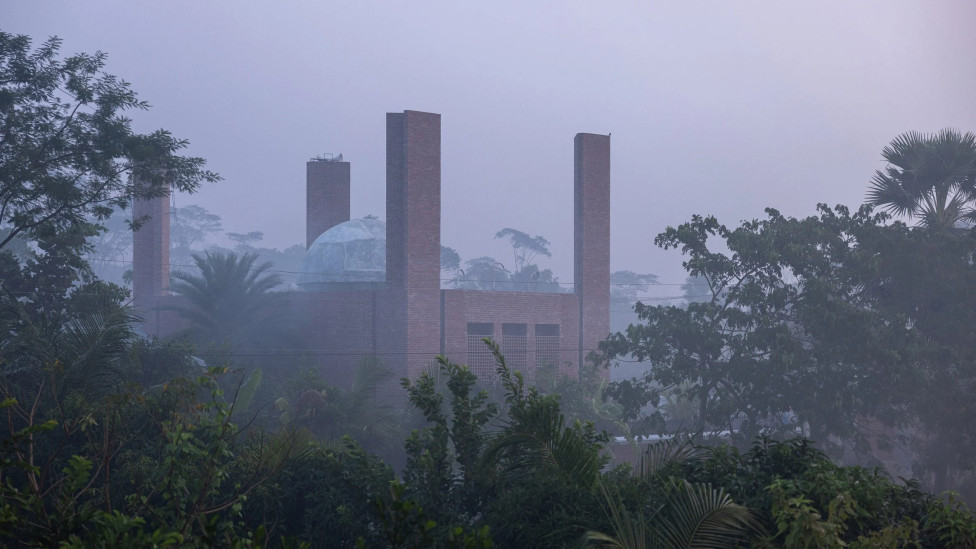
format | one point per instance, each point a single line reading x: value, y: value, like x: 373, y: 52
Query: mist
x: 448, y: 275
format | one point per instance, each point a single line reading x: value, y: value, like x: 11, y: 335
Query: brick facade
x: 411, y: 320
x: 461, y: 307
x: 591, y: 272
x: 150, y: 259
x: 413, y: 237
x: 326, y: 197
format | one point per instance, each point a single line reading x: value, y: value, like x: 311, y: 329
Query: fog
x: 208, y: 377
x: 722, y: 108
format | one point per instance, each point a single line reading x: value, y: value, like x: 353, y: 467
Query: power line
x: 452, y: 279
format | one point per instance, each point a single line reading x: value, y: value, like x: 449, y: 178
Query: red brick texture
x: 463, y: 306
x: 413, y: 238
x: 150, y: 251
x: 326, y: 197
x: 591, y: 273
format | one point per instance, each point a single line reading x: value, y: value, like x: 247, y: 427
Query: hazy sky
x: 714, y: 107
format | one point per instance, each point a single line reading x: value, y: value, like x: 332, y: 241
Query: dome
x: 349, y: 256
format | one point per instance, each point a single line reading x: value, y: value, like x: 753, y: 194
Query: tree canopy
x: 789, y: 324
x: 67, y: 147
x: 525, y: 248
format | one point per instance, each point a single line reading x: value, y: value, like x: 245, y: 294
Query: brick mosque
x: 360, y: 296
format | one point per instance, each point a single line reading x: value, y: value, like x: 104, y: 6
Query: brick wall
x: 591, y: 273
x: 150, y: 251
x: 326, y: 197
x: 497, y: 308
x: 338, y: 329
x: 413, y: 225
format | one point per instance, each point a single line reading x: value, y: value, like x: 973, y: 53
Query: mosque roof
x: 351, y: 255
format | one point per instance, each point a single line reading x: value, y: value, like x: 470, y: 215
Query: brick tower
x: 326, y: 196
x: 413, y: 239
x: 591, y: 273
x: 150, y: 257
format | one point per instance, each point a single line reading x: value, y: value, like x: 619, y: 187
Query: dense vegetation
x: 171, y: 464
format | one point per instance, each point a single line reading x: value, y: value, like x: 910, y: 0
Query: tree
x: 626, y: 285
x: 227, y: 301
x: 66, y: 148
x: 792, y: 322
x: 485, y: 273
x: 246, y: 241
x: 531, y: 279
x: 450, y: 259
x: 189, y: 228
x: 524, y: 247
x: 110, y: 251
x: 332, y: 412
x: 696, y: 290
x: 931, y: 177
x: 929, y: 281
x: 80, y: 349
x: 450, y: 267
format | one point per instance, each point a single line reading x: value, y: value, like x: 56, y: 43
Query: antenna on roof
x: 326, y: 157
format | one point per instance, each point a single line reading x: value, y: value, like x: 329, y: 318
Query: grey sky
x: 719, y: 107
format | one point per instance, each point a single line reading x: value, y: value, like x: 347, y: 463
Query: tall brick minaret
x: 413, y: 238
x: 326, y: 196
x: 150, y: 257
x: 591, y: 273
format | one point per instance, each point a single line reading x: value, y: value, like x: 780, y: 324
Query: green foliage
x: 450, y: 259
x: 790, y: 324
x: 536, y: 435
x: 800, y: 524
x: 405, y: 526
x: 69, y: 151
x: 680, y: 513
x: 951, y: 523
x: 131, y: 469
x: 807, y: 501
x: 324, y: 493
x: 331, y: 412
x: 83, y: 342
x: 454, y: 438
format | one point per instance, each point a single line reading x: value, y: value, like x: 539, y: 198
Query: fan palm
x: 931, y: 177
x: 227, y: 302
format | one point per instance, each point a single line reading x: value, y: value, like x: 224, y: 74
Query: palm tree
x: 929, y: 176
x: 227, y: 302
x: 84, y: 345
x: 690, y: 515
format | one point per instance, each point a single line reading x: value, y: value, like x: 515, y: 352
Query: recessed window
x: 547, y: 344
x: 480, y: 360
x: 515, y: 345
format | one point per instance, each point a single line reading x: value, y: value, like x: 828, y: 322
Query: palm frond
x: 226, y: 302
x: 539, y: 438
x: 95, y: 339
x: 629, y: 532
x: 660, y: 455
x: 701, y: 517
x: 927, y: 176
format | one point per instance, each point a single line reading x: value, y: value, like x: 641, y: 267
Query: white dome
x: 351, y: 255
